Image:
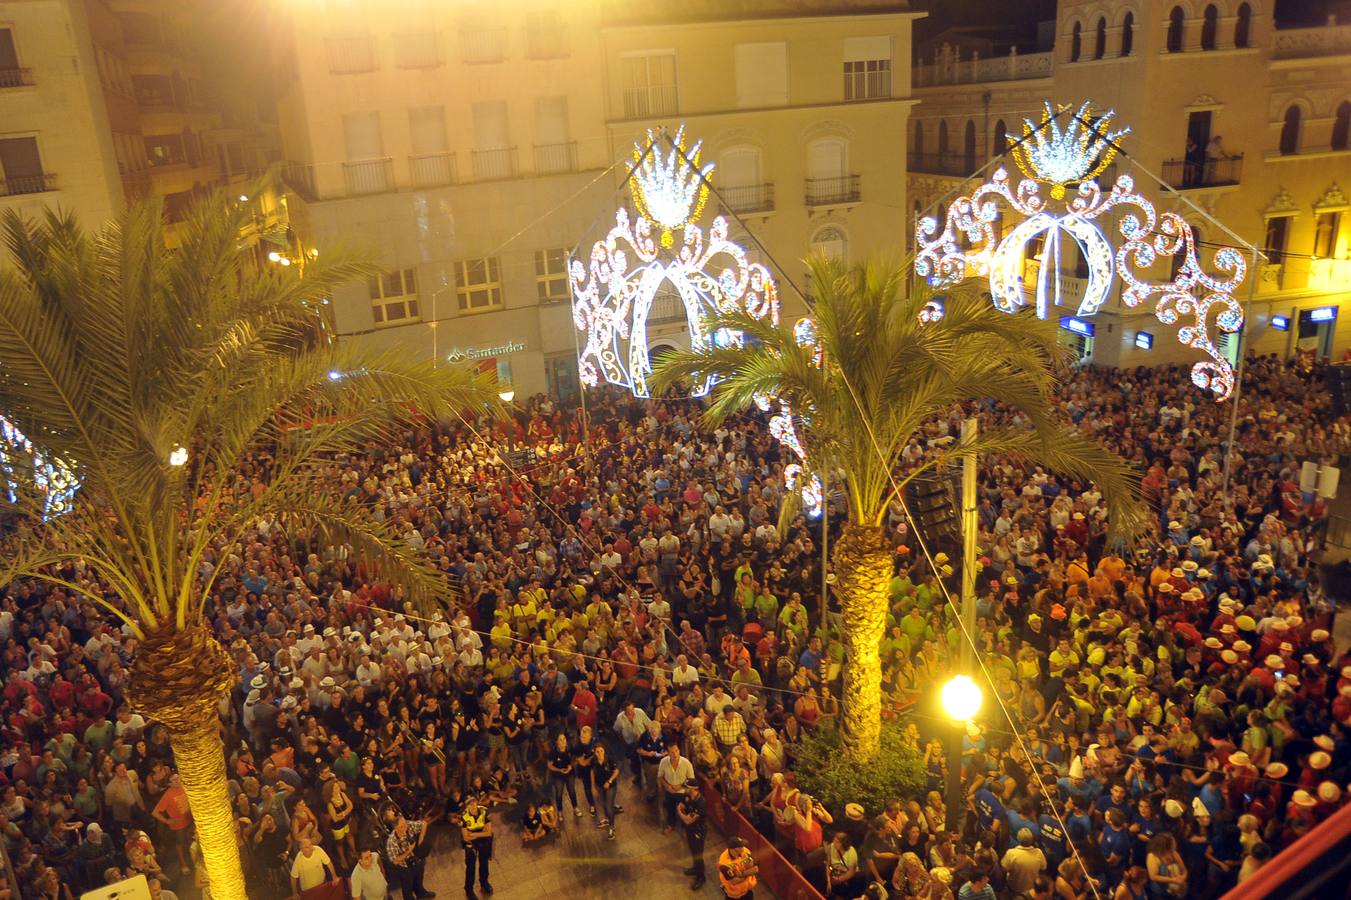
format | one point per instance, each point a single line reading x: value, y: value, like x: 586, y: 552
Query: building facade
x: 470, y: 148
x: 106, y: 100
x: 1244, y: 124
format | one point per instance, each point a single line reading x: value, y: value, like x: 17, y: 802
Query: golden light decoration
x: 670, y: 189
x: 1059, y: 156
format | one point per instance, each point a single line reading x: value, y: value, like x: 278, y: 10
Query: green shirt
x: 767, y: 606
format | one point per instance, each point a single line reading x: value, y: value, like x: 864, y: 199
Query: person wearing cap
x: 476, y: 837
x: 737, y: 871
x: 1022, y: 863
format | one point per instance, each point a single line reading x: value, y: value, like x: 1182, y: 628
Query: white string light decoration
x: 613, y: 293
x: 25, y: 469
x: 966, y: 245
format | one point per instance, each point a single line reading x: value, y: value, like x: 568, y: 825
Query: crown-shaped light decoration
x: 1076, y: 153
x: 669, y: 189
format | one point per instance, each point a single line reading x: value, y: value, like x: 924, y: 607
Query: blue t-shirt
x: 1017, y: 822
x: 1052, y: 839
x: 988, y: 808
x: 1116, y: 842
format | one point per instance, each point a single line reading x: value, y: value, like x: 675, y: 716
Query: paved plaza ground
x: 580, y: 863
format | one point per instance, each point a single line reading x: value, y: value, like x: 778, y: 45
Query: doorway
x: 1316, y: 329
x: 1198, y: 136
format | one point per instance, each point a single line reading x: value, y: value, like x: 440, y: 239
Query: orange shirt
x: 174, y: 805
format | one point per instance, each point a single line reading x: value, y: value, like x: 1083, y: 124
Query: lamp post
x: 436, y: 358
x: 961, y: 698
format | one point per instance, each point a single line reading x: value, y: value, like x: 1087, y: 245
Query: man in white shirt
x: 672, y: 773
x: 368, y: 878
x: 311, y: 867
x: 684, y: 675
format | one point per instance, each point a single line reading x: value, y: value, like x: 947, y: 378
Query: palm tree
x: 861, y: 393
x: 155, y: 376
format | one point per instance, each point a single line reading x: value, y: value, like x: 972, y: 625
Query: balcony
x: 748, y: 198
x: 299, y: 177
x: 136, y: 185
x: 481, y: 46
x: 431, y: 170
x: 939, y: 164
x: 27, y: 184
x: 650, y: 102
x: 1304, y: 43
x: 494, y: 165
x: 667, y: 309
x: 12, y: 78
x: 949, y: 68
x: 369, y: 176
x: 554, y: 158
x: 839, y: 191
x: 1183, y: 175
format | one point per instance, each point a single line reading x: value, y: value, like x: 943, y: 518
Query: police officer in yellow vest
x: 736, y: 871
x: 477, y: 834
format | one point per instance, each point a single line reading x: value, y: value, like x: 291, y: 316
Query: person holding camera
x: 401, y: 848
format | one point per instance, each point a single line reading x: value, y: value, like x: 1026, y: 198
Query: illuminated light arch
x: 965, y: 245
x: 24, y: 468
x: 614, y: 290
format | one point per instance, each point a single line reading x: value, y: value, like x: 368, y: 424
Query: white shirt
x: 369, y: 884
x: 309, y: 870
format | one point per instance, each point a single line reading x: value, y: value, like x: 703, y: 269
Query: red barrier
x: 1296, y: 861
x: 776, y: 872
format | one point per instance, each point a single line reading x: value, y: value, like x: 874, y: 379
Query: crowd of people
x: 622, y: 605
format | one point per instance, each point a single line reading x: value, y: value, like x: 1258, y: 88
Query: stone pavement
x: 580, y: 863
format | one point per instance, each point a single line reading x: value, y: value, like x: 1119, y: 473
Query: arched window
x: 1175, y: 25
x: 943, y: 147
x: 1100, y: 43
x: 1243, y: 27
x: 1209, y: 26
x: 969, y: 148
x: 919, y: 140
x: 1076, y: 42
x: 1341, y: 126
x: 1290, y: 131
x: 1001, y: 138
x: 1127, y: 34
x: 831, y: 242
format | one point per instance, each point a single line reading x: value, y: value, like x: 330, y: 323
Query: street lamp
x: 961, y: 698
x: 436, y: 359
x: 506, y: 395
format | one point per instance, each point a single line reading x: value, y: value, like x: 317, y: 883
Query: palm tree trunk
x: 863, y: 568
x: 178, y: 678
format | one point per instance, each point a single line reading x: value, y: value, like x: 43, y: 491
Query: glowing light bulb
x: 274, y: 256
x: 178, y: 456
x: 507, y: 395
x: 961, y: 698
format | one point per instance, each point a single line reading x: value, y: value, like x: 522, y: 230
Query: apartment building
x: 106, y: 100
x: 470, y: 147
x: 1245, y: 123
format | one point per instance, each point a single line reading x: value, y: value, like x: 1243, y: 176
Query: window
x: 430, y: 162
x: 417, y: 50
x: 867, y: 68
x: 1076, y: 42
x: 164, y: 150
x: 478, y: 284
x: 831, y: 243
x: 349, y: 55
x: 361, y: 136
x: 650, y: 85
x: 1001, y: 138
x: 1175, y: 26
x: 1100, y: 41
x: 1325, y: 234
x: 919, y: 140
x: 1341, y: 125
x: 393, y: 296
x: 1210, y: 24
x: 1290, y: 131
x: 554, y: 150
x: 1243, y: 27
x: 544, y: 37
x: 969, y: 147
x: 1278, y: 229
x: 1127, y: 34
x: 743, y: 189
x: 480, y: 42
x: 943, y: 146
x: 761, y: 75
x: 21, y: 167
x: 551, y: 275
x: 11, y: 75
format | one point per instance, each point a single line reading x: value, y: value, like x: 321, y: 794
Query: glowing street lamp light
x: 178, y: 456
x: 506, y: 395
x: 961, y: 698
